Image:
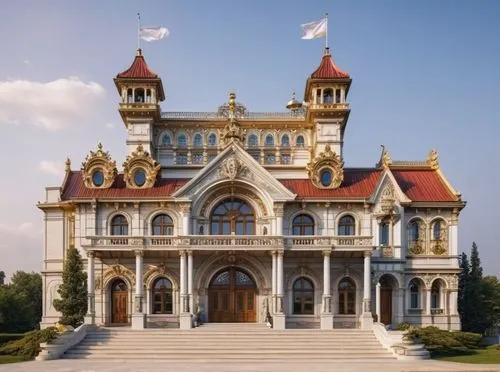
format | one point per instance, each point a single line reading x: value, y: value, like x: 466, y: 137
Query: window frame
x: 166, y: 301
x: 303, y: 225
x: 346, y: 296
x: 344, y: 227
x: 163, y: 225
x: 302, y: 294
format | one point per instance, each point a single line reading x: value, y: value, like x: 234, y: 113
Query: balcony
x: 329, y: 106
x: 230, y: 242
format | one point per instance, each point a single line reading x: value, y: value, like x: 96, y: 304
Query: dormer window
x: 328, y: 96
x: 139, y: 95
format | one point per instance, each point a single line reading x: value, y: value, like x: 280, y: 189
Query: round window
x: 140, y: 177
x: 98, y: 178
x: 326, y: 177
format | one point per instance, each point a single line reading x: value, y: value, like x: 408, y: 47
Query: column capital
x: 139, y: 252
x: 280, y: 253
x: 189, y: 252
x: 367, y: 253
x: 90, y: 254
x: 184, y: 207
x: 378, y: 285
x: 327, y: 252
x: 273, y: 252
x: 182, y: 253
x: 278, y: 209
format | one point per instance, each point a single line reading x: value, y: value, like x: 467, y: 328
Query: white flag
x: 153, y: 33
x: 314, y: 30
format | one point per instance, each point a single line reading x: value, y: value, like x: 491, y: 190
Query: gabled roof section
x: 424, y: 185
x: 328, y: 70
x: 388, y: 178
x: 139, y: 69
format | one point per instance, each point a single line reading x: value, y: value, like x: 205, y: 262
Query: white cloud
x: 109, y: 125
x: 26, y: 62
x: 24, y: 229
x: 51, y: 167
x: 53, y: 105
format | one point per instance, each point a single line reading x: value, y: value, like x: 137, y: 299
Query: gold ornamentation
x: 438, y: 247
x: 388, y: 199
x: 326, y: 160
x: 98, y: 161
x: 416, y: 247
x: 231, y: 168
x: 385, y: 159
x: 140, y: 160
x: 432, y: 159
x: 114, y: 271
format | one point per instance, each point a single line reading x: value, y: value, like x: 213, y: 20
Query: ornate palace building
x: 239, y: 216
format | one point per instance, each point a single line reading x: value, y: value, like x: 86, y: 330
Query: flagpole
x: 138, y: 30
x: 326, y: 33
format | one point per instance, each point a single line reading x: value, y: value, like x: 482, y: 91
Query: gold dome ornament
x: 293, y: 104
x: 140, y: 170
x: 98, y: 169
x: 326, y: 170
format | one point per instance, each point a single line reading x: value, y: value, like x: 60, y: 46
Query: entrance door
x: 119, y: 300
x: 386, y: 305
x: 232, y: 297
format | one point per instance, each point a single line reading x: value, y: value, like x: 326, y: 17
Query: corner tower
x: 326, y: 97
x: 141, y: 92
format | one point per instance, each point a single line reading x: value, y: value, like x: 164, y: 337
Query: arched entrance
x: 232, y: 297
x: 387, y: 284
x: 119, y: 301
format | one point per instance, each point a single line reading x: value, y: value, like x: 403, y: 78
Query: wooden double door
x: 232, y: 297
x: 119, y: 301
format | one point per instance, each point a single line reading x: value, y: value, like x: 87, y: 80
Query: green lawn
x: 489, y: 355
x: 4, y: 359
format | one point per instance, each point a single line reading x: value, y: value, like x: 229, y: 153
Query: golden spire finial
x: 432, y: 159
x: 99, y: 146
x: 385, y: 158
x: 68, y: 165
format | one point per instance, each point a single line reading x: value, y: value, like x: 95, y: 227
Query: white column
x: 427, y: 301
x: 185, y: 210
x: 90, y: 316
x: 377, y: 301
x: 280, y: 282
x: 274, y: 280
x: 453, y: 298
x: 190, y: 280
x: 183, y: 281
x: 138, y: 281
x: 278, y: 212
x: 367, y: 289
x: 327, y: 308
x: 400, y: 312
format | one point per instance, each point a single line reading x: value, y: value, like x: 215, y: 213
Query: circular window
x: 98, y: 178
x: 140, y: 177
x: 326, y: 177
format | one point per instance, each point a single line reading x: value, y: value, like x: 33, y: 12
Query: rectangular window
x: 384, y: 234
x: 414, y: 300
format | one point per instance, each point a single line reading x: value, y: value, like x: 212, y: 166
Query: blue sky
x: 425, y: 75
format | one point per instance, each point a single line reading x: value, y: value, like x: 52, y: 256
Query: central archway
x: 232, y: 216
x: 232, y: 297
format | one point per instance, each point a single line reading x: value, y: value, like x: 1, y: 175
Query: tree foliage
x: 73, y: 290
x: 478, y: 297
x: 21, y: 303
x: 2, y: 278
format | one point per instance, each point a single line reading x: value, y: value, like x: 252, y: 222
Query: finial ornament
x: 385, y: 159
x: 68, y: 165
x: 232, y: 131
x: 432, y: 159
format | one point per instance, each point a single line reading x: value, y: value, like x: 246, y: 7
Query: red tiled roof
x: 358, y: 183
x: 423, y: 185
x: 139, y: 69
x: 419, y: 185
x: 328, y: 70
x: 75, y: 188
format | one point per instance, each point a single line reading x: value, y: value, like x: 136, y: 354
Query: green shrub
x: 443, y: 342
x: 29, y: 346
x: 7, y: 337
x: 403, y: 326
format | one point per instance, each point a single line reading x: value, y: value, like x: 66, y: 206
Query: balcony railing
x: 232, y: 242
x: 329, y: 106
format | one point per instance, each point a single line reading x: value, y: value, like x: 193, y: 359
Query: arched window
x: 212, y: 139
x: 139, y: 95
x: 148, y: 95
x: 300, y: 141
x: 130, y: 96
x: 166, y: 140
x: 347, y: 296
x: 197, y: 140
x: 435, y: 295
x: 285, y: 140
x: 182, y: 140
x: 303, y: 296
x: 269, y: 140
x: 413, y: 232
x: 253, y: 140
x: 233, y: 216
x: 347, y: 225
x: 119, y: 225
x: 328, y: 96
x: 162, y: 296
x: 437, y: 230
x: 163, y: 225
x: 414, y: 294
x: 303, y: 224
x: 384, y: 233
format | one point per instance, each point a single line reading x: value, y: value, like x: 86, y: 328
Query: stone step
x: 240, y: 360
x: 233, y: 354
x: 227, y: 347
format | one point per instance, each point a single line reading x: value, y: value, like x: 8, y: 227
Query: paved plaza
x: 143, y: 366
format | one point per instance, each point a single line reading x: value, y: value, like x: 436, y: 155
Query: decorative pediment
x: 232, y: 165
x: 387, y: 194
x: 326, y: 170
x: 114, y: 271
x: 140, y: 169
x: 98, y: 169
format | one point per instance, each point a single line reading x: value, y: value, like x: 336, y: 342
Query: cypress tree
x: 463, y: 280
x: 73, y: 290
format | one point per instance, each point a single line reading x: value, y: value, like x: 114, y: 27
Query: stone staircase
x: 230, y: 342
